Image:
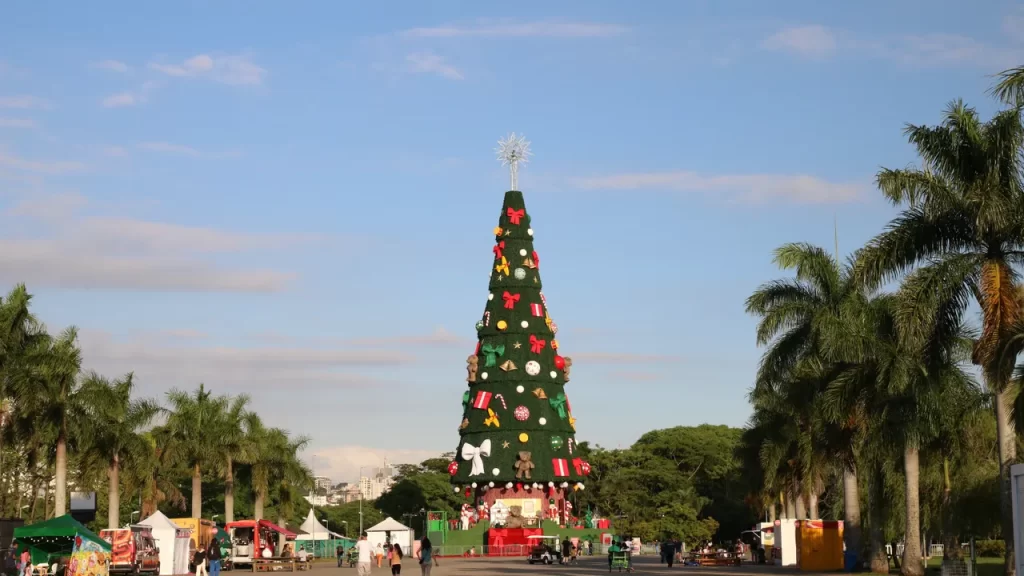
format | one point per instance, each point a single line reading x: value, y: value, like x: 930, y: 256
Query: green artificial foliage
x: 516, y: 337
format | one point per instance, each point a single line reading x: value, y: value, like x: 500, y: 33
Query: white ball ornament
x: 551, y: 484
x: 524, y: 324
x: 520, y: 274
x: 456, y: 489
x: 508, y: 485
x: 483, y: 375
x: 542, y: 421
x: 522, y: 252
x: 565, y: 484
x: 520, y: 389
x: 533, y: 367
x: 491, y: 484
x: 529, y: 231
x: 490, y: 296
x: 553, y: 374
x: 473, y: 484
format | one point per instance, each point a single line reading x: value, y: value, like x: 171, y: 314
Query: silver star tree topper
x: 512, y: 151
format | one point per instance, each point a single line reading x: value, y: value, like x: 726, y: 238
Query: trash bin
x: 850, y: 561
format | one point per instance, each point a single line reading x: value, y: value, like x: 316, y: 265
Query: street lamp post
x: 361, y: 500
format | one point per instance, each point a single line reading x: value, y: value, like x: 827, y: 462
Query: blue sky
x: 298, y: 203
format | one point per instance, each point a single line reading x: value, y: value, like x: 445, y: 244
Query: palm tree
x: 1010, y: 87
x: 19, y: 333
x: 963, y: 216
x: 116, y: 420
x: 156, y: 475
x: 192, y: 423
x: 51, y: 396
x: 802, y: 322
x: 262, y: 460
x: 233, y: 447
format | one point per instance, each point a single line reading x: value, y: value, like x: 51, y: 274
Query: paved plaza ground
x: 587, y: 566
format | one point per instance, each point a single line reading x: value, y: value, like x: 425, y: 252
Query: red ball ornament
x: 468, y: 493
x: 453, y: 468
x: 559, y: 362
x: 519, y: 486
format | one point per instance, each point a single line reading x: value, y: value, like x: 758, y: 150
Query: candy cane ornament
x: 502, y: 398
x: 487, y: 318
x: 570, y: 443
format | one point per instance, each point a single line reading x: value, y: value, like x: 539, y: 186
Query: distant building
x: 316, y: 499
x: 321, y: 483
x: 378, y: 482
x: 349, y: 494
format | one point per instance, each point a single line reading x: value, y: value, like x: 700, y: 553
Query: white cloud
x: 521, y: 30
x: 427, y: 62
x: 755, y: 188
x: 115, y: 151
x: 17, y: 123
x: 925, y: 50
x: 24, y: 102
x: 169, y: 148
x: 440, y: 336
x: 68, y: 250
x: 8, y: 160
x: 161, y: 363
x: 811, y: 41
x: 226, y: 69
x: 620, y: 358
x: 119, y: 100
x: 342, y: 463
x: 111, y: 65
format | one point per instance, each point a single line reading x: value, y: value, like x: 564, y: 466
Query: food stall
x: 65, y: 538
x: 249, y: 539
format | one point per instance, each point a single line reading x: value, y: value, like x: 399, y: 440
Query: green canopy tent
x: 55, y: 537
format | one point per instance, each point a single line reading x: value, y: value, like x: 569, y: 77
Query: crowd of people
x: 393, y: 554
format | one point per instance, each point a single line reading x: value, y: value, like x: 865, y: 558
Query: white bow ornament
x: 475, y: 453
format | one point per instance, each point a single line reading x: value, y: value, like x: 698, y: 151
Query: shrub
x: 990, y: 548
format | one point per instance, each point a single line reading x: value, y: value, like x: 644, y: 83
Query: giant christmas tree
x: 517, y: 435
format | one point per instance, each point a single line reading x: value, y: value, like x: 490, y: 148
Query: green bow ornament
x: 558, y: 403
x: 465, y: 399
x: 491, y: 354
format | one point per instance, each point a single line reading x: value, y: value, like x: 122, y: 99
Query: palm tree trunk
x: 851, y: 510
x: 114, y: 494
x: 46, y: 503
x: 800, y: 506
x: 60, y: 493
x: 772, y: 511
x: 789, y: 506
x: 35, y: 500
x: 812, y: 506
x: 879, y: 560
x: 912, y: 565
x: 281, y: 537
x: 1007, y: 454
x: 258, y: 506
x: 197, y: 492
x: 229, y: 492
x: 950, y: 538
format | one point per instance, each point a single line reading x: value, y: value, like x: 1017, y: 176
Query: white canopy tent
x: 314, y: 530
x: 390, y: 530
x: 172, y: 542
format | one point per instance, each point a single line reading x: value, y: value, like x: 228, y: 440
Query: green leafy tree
x: 963, y: 220
x: 802, y: 323
x: 516, y: 403
x: 116, y: 421
x: 192, y: 423
x: 233, y: 446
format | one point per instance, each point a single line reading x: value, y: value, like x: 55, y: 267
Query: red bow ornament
x: 510, y: 300
x: 497, y: 250
x: 536, y: 260
x: 536, y: 344
x: 515, y: 215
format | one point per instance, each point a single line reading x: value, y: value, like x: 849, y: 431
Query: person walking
x: 364, y: 552
x: 340, y: 553
x: 396, y: 559
x: 380, y: 555
x: 200, y: 561
x: 213, y: 553
x: 426, y: 555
